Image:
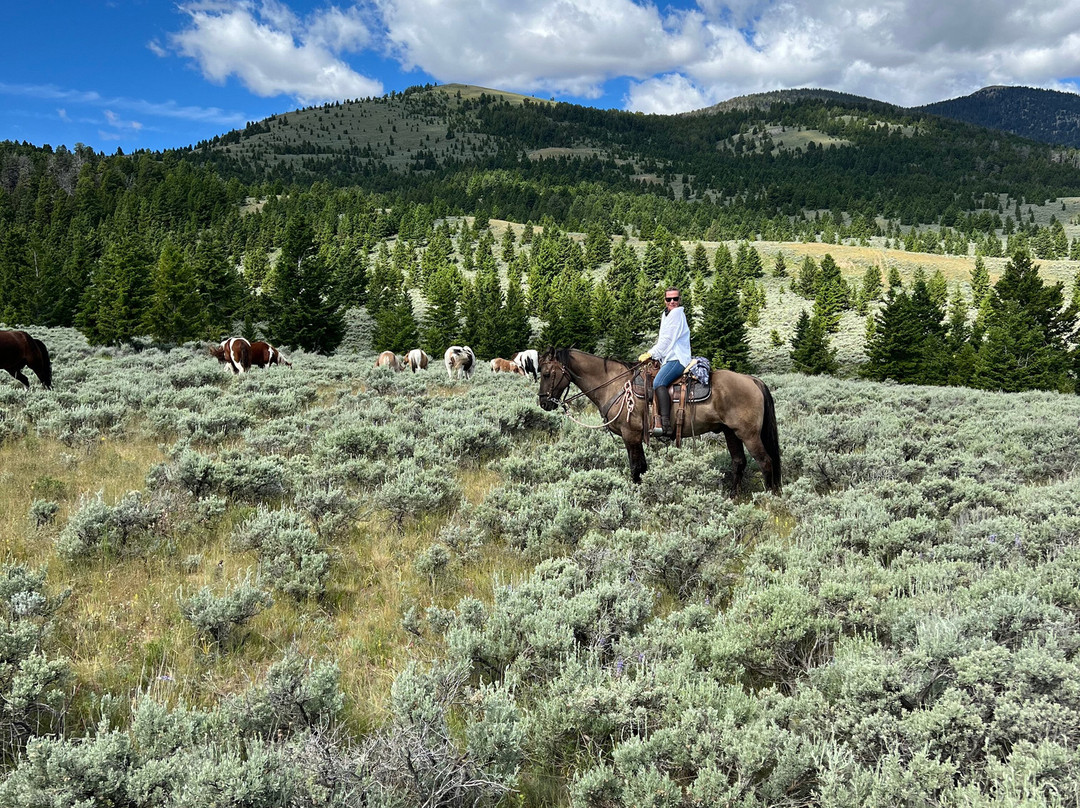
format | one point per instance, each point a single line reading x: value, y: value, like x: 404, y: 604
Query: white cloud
x: 666, y: 95
x: 569, y: 46
x: 905, y: 51
x: 273, y: 52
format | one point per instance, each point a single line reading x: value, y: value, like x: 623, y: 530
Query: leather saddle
x: 686, y: 385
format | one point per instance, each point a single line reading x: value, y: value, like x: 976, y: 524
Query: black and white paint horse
x: 529, y: 362
x: 459, y: 359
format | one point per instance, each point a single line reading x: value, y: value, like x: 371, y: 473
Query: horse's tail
x: 770, y: 437
x: 44, y: 371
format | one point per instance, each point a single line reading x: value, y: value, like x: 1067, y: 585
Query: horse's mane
x: 563, y: 356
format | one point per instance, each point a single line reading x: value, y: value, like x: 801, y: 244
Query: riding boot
x: 663, y: 401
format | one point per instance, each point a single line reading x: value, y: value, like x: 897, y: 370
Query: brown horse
x: 263, y: 354
x: 19, y: 350
x: 740, y: 407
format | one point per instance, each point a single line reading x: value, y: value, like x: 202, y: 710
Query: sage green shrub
x: 32, y: 684
x: 216, y: 617
x: 126, y: 528
x: 291, y: 557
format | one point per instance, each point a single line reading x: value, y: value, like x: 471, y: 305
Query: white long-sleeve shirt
x: 673, y: 341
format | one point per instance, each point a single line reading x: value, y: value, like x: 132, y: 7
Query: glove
x: 644, y: 356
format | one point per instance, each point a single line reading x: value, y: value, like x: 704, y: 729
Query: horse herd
x: 460, y: 361
x: 739, y: 407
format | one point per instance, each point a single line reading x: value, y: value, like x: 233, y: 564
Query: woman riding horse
x: 739, y: 406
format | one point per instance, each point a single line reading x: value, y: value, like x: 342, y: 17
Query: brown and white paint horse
x: 459, y: 359
x: 506, y: 366
x: 19, y: 350
x: 388, y: 359
x: 263, y: 354
x: 234, y: 352
x: 416, y: 359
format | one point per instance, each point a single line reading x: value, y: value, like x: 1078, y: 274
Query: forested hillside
x: 1047, y: 116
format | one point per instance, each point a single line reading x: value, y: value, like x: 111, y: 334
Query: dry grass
x: 122, y: 629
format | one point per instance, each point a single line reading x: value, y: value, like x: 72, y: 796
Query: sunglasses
x: 671, y: 299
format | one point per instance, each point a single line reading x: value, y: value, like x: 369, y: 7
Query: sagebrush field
x: 334, y: 585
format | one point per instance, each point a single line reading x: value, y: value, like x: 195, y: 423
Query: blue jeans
x: 669, y: 372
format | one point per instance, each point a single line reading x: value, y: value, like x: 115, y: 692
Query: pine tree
x: 569, y: 321
x: 302, y: 311
x: 515, y: 326
x: 220, y: 286
x: 176, y: 308
x: 113, y: 307
x: 508, y: 240
x: 350, y: 273
x: 442, y: 325
x: 807, y: 282
x: 908, y: 339
x: 938, y: 288
x: 722, y: 262
x: 483, y: 323
x: 779, y: 266
x: 721, y: 334
x: 597, y: 246
x: 1027, y: 327
x: 395, y: 326
x: 748, y: 262
x: 810, y: 350
x: 870, y: 289
x: 831, y: 297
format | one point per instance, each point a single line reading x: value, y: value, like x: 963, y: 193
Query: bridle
x: 566, y: 376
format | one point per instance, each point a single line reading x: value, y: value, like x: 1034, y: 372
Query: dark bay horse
x: 19, y: 350
x: 740, y: 407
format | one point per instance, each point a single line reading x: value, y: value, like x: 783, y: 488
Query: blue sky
x: 133, y: 74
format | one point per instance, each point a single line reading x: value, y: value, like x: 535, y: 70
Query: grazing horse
x: 459, y: 358
x: 416, y: 359
x: 388, y: 359
x: 263, y: 354
x: 506, y: 366
x: 234, y: 352
x: 740, y: 407
x: 529, y: 362
x: 19, y: 350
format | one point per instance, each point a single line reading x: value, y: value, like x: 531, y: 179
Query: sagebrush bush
x: 216, y: 617
x: 126, y: 528
x: 291, y: 557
